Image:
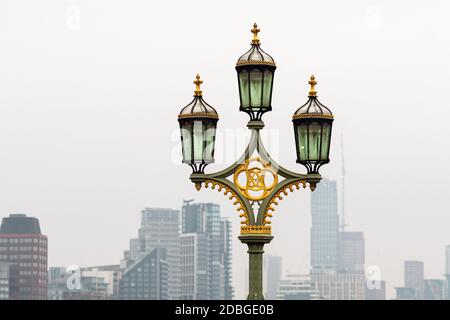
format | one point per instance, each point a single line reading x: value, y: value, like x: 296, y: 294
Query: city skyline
x: 89, y: 139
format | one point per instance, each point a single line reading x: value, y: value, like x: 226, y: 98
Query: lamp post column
x: 255, y: 252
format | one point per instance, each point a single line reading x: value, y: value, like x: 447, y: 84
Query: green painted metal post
x: 255, y: 252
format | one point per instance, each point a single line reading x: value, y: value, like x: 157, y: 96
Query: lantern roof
x: 255, y: 55
x: 198, y: 108
x: 313, y: 108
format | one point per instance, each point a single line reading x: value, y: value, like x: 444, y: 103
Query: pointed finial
x: 255, y: 32
x: 312, y: 82
x: 197, y: 82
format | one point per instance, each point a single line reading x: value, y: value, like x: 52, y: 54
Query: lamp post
x: 255, y: 182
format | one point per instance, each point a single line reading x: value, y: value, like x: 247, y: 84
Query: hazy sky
x: 90, y: 92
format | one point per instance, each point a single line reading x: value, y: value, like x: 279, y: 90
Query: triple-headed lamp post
x: 258, y: 183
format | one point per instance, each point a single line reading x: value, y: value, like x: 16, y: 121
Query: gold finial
x: 312, y: 82
x: 255, y: 32
x: 197, y: 82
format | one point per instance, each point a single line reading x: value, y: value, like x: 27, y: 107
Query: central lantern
x: 255, y: 70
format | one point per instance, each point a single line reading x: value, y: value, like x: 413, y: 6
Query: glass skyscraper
x: 205, y: 234
x: 325, y: 228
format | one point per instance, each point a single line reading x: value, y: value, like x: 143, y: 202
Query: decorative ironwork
x: 256, y: 187
x: 240, y: 207
x: 256, y: 230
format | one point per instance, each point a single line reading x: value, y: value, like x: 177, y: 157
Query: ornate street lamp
x: 312, y: 128
x: 255, y: 70
x: 255, y: 182
x: 198, y: 122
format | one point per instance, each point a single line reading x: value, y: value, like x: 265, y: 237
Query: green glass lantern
x: 312, y: 127
x: 255, y: 70
x: 198, y: 122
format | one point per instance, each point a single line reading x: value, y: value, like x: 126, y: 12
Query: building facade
x: 351, y: 252
x: 205, y: 235
x: 24, y: 248
x: 272, y: 270
x: 376, y: 291
x: 194, y: 266
x: 4, y: 281
x: 414, y: 276
x: 146, y: 279
x: 324, y: 228
x: 297, y: 287
x: 434, y: 289
x: 336, y: 286
x: 160, y: 228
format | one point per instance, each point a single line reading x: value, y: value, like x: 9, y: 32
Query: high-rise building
x: 325, y: 228
x: 414, y: 276
x: 194, y: 266
x: 377, y: 291
x: 272, y: 269
x: 226, y: 258
x: 201, y: 222
x: 434, y: 289
x: 146, y: 279
x: 57, y: 283
x: 4, y: 281
x: 351, y: 252
x: 297, y: 287
x: 160, y: 228
x: 24, y: 248
x: 340, y: 286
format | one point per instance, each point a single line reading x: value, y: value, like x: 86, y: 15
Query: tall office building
x: 201, y: 222
x: 194, y: 266
x: 272, y: 269
x: 226, y: 257
x: 351, y: 252
x: 24, y: 248
x: 160, y: 228
x: 340, y: 286
x: 4, y: 281
x: 325, y: 228
x: 146, y: 279
x: 297, y: 287
x: 414, y: 276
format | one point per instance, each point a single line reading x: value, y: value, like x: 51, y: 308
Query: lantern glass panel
x: 314, y: 139
x: 186, y: 139
x: 267, y: 88
x: 302, y: 141
x: 209, y: 137
x: 326, y: 134
x: 198, y: 140
x: 244, y: 87
x: 256, y: 81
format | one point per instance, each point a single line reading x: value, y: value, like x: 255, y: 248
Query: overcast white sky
x: 90, y: 91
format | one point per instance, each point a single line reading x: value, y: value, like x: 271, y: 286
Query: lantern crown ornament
x: 312, y: 127
x: 255, y: 70
x: 198, y: 123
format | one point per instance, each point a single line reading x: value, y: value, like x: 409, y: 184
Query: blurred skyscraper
x: 205, y: 252
x: 351, y: 252
x: 24, y: 248
x: 414, y: 276
x: 160, y: 228
x: 325, y: 228
x: 272, y: 268
x: 434, y: 289
x: 4, y: 281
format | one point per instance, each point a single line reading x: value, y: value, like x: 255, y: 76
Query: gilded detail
x: 260, y: 179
